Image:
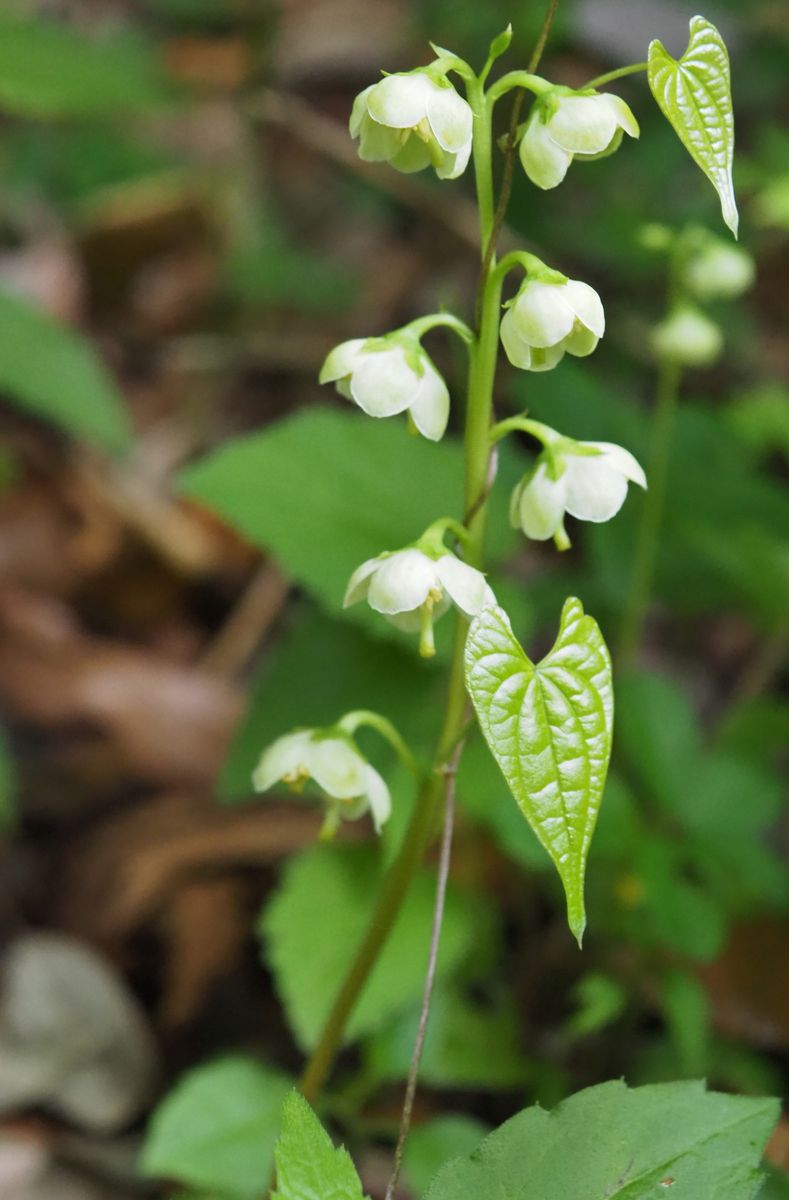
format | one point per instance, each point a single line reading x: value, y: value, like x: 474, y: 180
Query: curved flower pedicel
x: 565, y: 125
x: 414, y: 587
x: 547, y: 320
x: 414, y: 120
x: 330, y: 759
x: 588, y: 480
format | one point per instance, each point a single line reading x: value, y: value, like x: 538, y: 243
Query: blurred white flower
x: 333, y: 762
x: 385, y: 376
x: 589, y: 483
x: 412, y: 589
x: 688, y: 338
x: 718, y: 271
x: 564, y: 127
x: 414, y: 120
x: 547, y: 320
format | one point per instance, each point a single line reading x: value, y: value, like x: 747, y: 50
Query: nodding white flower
x: 688, y: 338
x: 414, y: 120
x: 564, y: 127
x: 546, y: 320
x: 588, y: 480
x: 390, y: 375
x: 332, y: 761
x: 718, y: 271
x: 412, y: 589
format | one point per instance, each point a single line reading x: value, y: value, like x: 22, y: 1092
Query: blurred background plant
x: 185, y: 230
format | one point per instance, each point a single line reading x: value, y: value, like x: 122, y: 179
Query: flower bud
x: 563, y: 127
x: 545, y: 320
x: 719, y: 271
x: 332, y: 760
x: 412, y: 588
x: 390, y: 375
x: 588, y: 480
x: 414, y: 120
x: 688, y: 338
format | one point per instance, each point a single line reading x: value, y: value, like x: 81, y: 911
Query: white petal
x: 545, y: 359
x: 581, y: 341
x: 596, y: 490
x: 337, y: 768
x: 383, y: 383
x: 283, y: 757
x: 359, y: 111
x: 411, y: 155
x: 583, y: 124
x: 378, y: 797
x: 430, y: 406
x: 454, y: 165
x: 359, y: 583
x: 543, y: 160
x: 341, y: 360
x: 450, y: 118
x: 586, y: 304
x: 402, y: 582
x: 542, y: 314
x: 411, y: 622
x: 623, y: 460
x: 516, y: 348
x: 399, y: 101
x: 467, y: 586
x: 622, y: 113
x: 541, y: 506
x: 378, y: 143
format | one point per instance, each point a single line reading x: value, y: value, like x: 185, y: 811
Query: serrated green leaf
x: 49, y: 70
x: 313, y: 925
x: 612, y: 1141
x: 308, y: 1165
x: 694, y: 94
x: 51, y: 371
x: 216, y: 1130
x: 549, y: 728
x: 430, y: 1145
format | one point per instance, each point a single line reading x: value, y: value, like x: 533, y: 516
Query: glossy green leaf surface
x: 308, y: 1165
x: 694, y: 94
x: 549, y: 728
x: 612, y: 1141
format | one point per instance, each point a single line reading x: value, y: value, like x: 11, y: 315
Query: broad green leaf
x: 611, y: 1141
x: 49, y: 70
x: 216, y: 1130
x: 314, y: 923
x: 308, y: 1166
x: 694, y: 94
x: 49, y: 370
x: 430, y: 1145
x: 328, y: 488
x: 776, y: 1186
x: 549, y: 728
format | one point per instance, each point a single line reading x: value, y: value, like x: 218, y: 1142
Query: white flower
x: 545, y: 320
x: 385, y: 376
x: 688, y: 337
x: 591, y: 487
x: 718, y: 271
x: 412, y: 589
x: 335, y: 765
x: 562, y: 128
x: 413, y: 121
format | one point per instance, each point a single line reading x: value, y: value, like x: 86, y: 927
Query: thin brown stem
x: 450, y: 776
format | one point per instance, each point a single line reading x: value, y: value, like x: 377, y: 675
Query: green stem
x: 423, y: 325
x: 518, y: 79
x: 373, y: 720
x: 610, y: 76
x: 424, y: 819
x: 522, y: 424
x: 645, y: 558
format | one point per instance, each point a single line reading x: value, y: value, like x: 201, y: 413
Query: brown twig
x: 450, y: 775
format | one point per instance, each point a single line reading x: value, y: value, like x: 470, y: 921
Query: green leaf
x: 8, y: 785
x: 49, y: 70
x: 622, y: 1144
x: 216, y: 1130
x: 327, y: 488
x: 694, y: 94
x: 313, y: 926
x: 308, y: 1166
x: 549, y: 728
x: 430, y: 1145
x: 52, y: 372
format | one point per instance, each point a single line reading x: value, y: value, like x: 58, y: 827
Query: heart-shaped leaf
x: 549, y: 728
x: 694, y: 94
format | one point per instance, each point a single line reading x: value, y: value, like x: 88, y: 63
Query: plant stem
x: 619, y: 73
x: 645, y: 558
